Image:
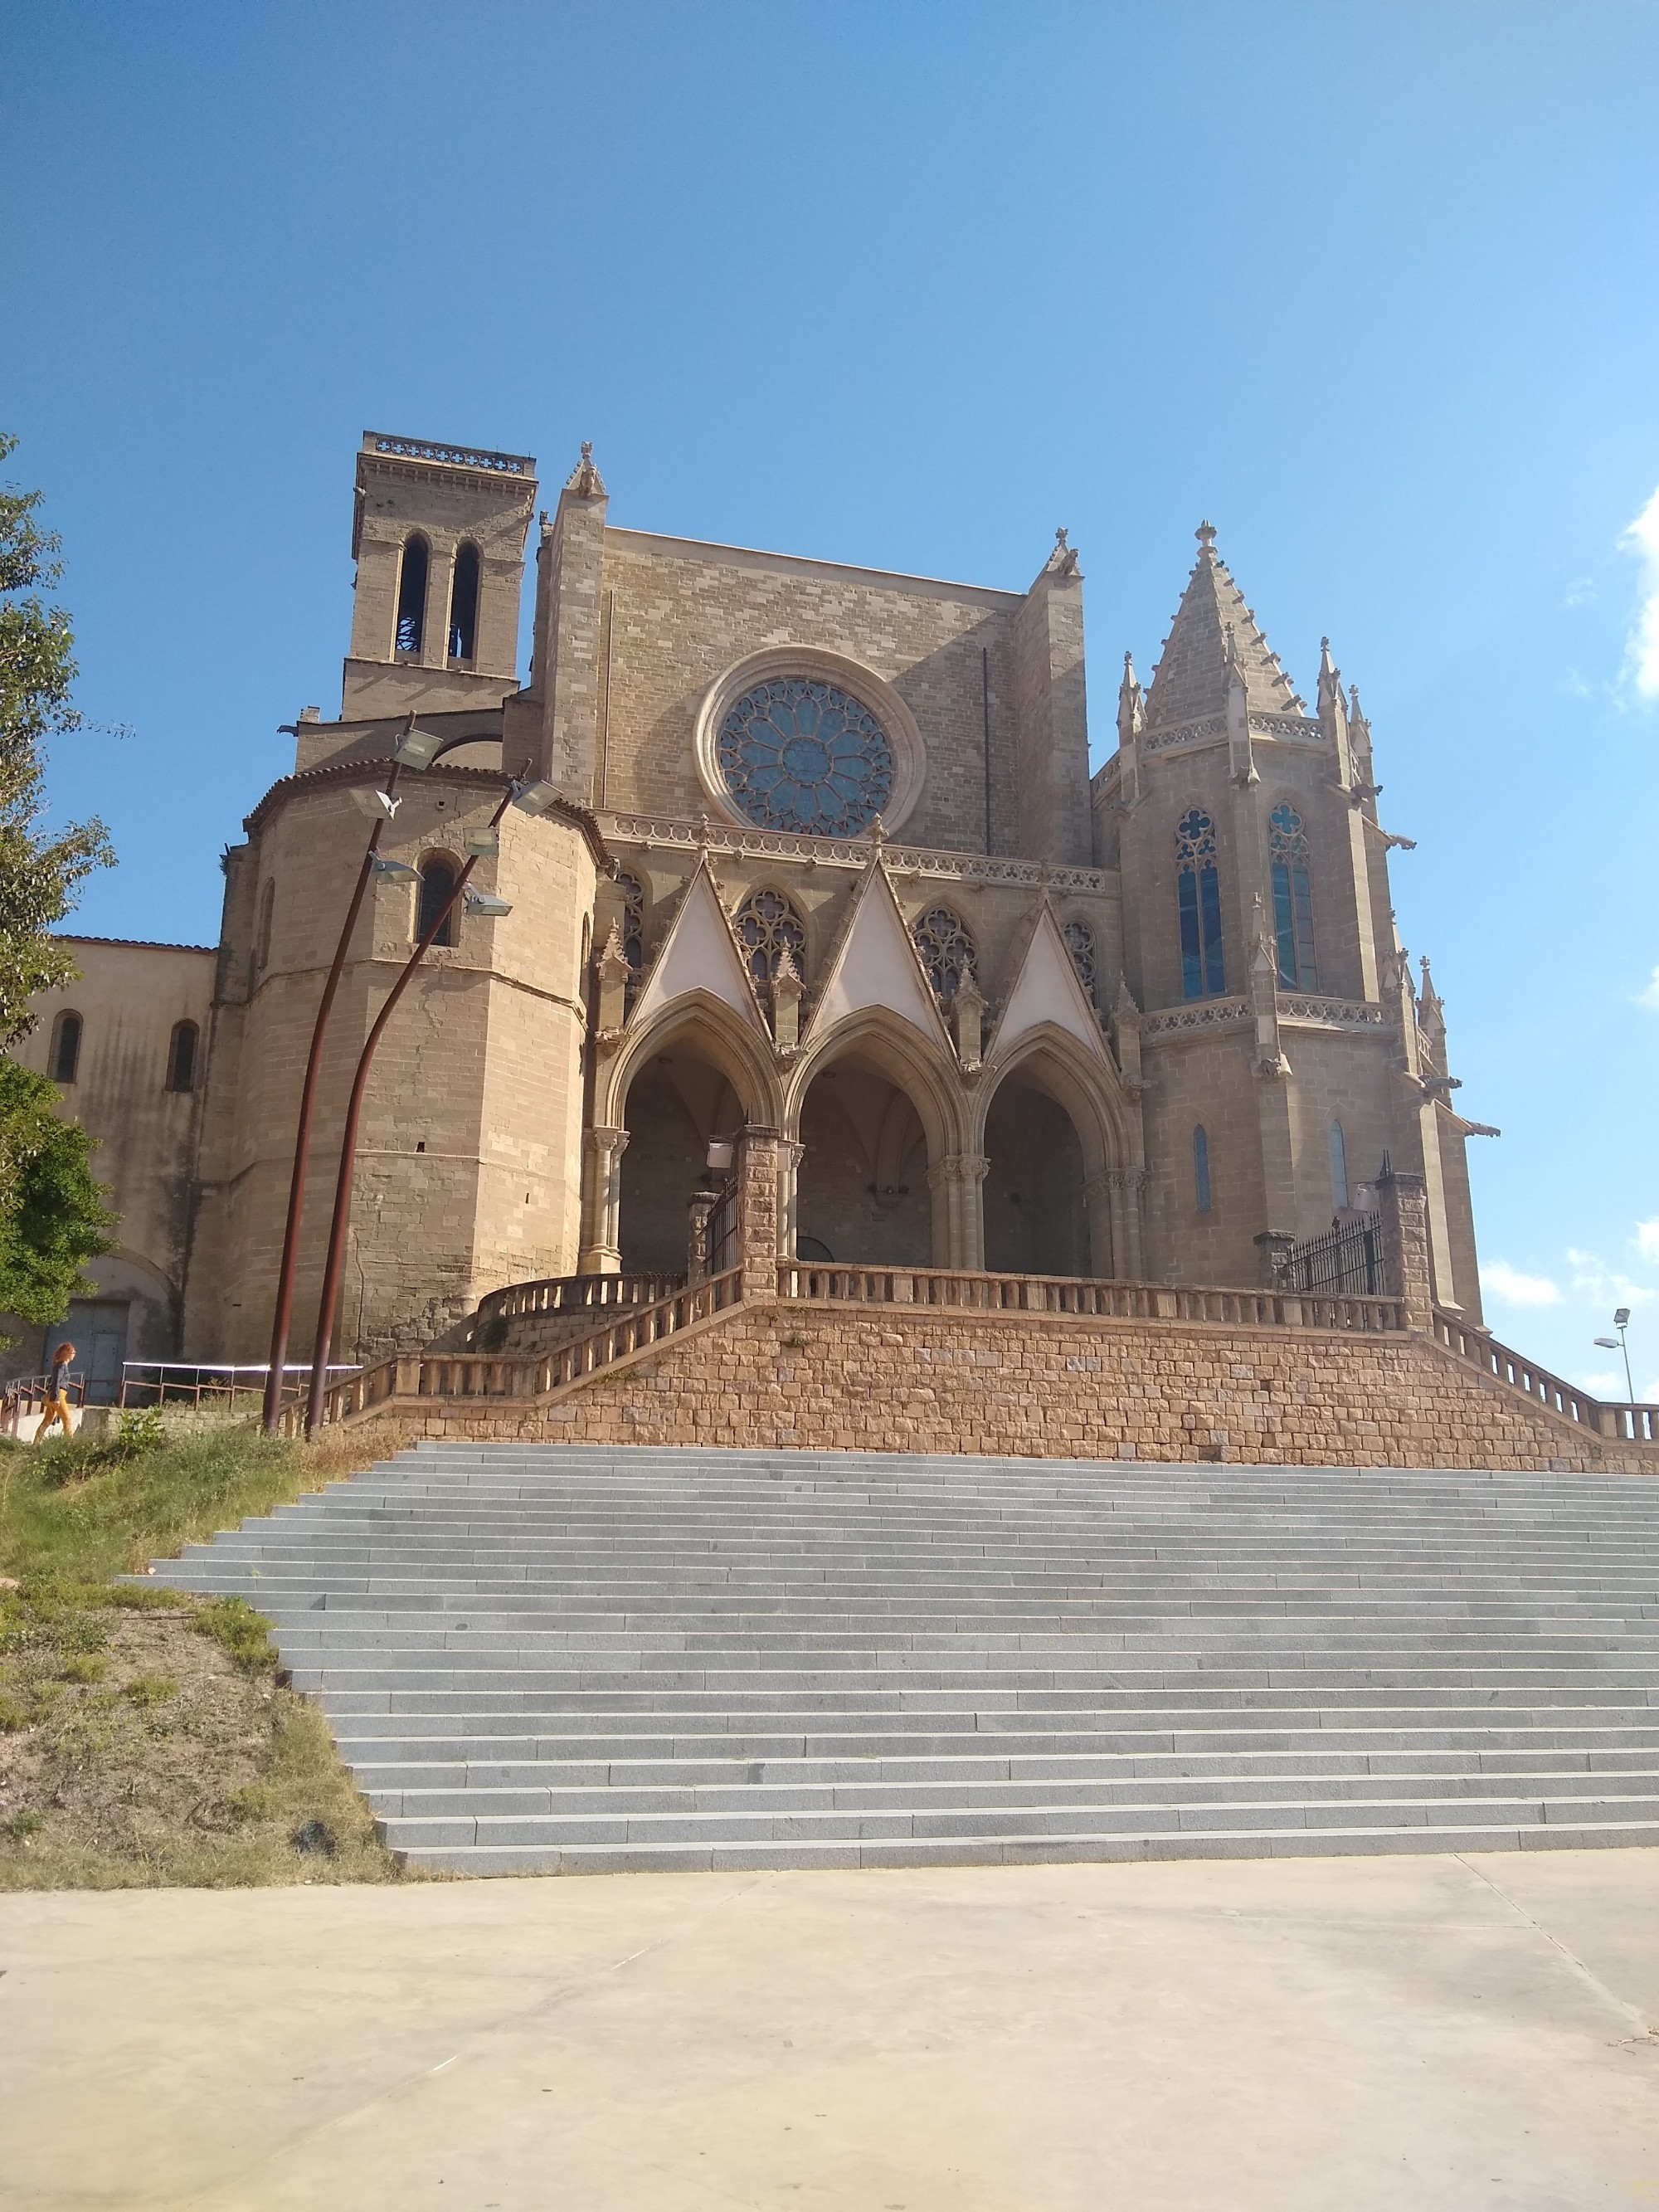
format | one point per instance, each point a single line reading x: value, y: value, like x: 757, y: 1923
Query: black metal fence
x: 723, y: 1229
x: 1347, y: 1261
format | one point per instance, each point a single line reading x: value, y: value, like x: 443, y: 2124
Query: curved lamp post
x: 416, y: 749
x: 532, y: 799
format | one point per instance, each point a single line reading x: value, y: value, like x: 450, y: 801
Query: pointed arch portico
x: 1049, y: 1061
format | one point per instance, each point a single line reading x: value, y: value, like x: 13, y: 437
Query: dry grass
x: 144, y: 1736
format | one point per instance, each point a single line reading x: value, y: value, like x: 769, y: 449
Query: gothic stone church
x: 827, y: 859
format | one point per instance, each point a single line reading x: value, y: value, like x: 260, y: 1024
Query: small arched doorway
x: 679, y: 1103
x: 1035, y: 1196
x: 862, y: 1196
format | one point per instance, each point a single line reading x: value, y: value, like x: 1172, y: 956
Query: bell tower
x: 438, y: 536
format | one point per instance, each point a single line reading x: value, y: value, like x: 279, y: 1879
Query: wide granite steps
x: 538, y: 1659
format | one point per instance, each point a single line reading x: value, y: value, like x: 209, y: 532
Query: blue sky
x: 1372, y: 286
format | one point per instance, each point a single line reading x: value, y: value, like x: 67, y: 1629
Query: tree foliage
x: 39, y: 869
x: 52, y: 1215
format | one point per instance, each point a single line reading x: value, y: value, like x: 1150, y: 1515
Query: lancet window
x: 767, y: 925
x: 464, y: 605
x: 66, y: 1047
x: 437, y: 889
x: 181, y: 1057
x: 1203, y: 969
x: 1201, y: 1169
x: 1292, y: 899
x: 1338, y: 1168
x: 412, y: 595
x: 948, y: 952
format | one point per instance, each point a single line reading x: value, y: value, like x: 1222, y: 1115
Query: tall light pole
x: 1620, y: 1322
x: 416, y: 749
x: 533, y: 799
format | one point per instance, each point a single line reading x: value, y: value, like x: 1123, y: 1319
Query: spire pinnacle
x: 585, y: 479
x: 1215, y: 642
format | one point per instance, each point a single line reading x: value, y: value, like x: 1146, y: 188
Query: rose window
x: 798, y: 754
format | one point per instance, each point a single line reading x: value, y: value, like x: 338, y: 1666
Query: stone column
x: 698, y: 1207
x: 1103, y: 1195
x: 1127, y: 1190
x: 602, y: 1152
x: 790, y: 1156
x: 758, y: 1211
x: 1274, y: 1247
x: 1402, y: 1205
x: 957, y: 1178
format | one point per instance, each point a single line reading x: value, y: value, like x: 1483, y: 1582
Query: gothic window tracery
x: 800, y: 753
x: 767, y: 924
x: 633, y: 930
x: 1287, y: 843
x: 1203, y: 970
x: 948, y: 952
x: 1080, y: 944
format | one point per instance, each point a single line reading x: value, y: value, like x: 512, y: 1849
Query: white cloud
x: 1515, y: 1289
x: 1604, y: 1383
x: 1603, y: 1285
x: 1642, y: 647
x: 1648, y: 996
x: 1647, y: 1238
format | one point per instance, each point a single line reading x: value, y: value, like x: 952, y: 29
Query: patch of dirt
x: 137, y: 1751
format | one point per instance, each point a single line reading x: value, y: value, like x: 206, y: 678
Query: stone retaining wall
x: 785, y: 1374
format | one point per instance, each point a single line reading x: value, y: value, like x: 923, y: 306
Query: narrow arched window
x: 948, y: 952
x: 1080, y: 944
x: 464, y: 605
x: 768, y: 926
x: 1292, y: 899
x: 267, y: 911
x: 412, y: 595
x: 66, y: 1046
x: 1339, y: 1168
x: 1202, y: 1169
x: 181, y: 1057
x: 437, y: 889
x: 1203, y: 969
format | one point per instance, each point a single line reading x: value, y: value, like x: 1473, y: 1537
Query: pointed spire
x: 1330, y: 680
x: 1193, y: 675
x: 1130, y: 704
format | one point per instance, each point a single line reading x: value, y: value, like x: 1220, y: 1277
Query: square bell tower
x: 438, y: 535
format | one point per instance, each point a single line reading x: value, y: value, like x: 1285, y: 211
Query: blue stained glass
x: 1198, y: 889
x: 800, y: 755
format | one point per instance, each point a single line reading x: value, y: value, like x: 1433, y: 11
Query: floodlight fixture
x: 399, y: 870
x: 481, y: 842
x: 1621, y: 1317
x: 416, y: 749
x: 720, y: 1158
x: 487, y: 903
x: 535, y: 798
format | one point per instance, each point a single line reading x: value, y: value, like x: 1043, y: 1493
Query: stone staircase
x: 552, y: 1660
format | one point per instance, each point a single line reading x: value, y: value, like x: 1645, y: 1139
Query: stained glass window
x: 1201, y: 1169
x: 947, y: 950
x: 1203, y: 972
x: 1292, y: 899
x: 1080, y: 944
x: 1338, y: 1168
x: 798, y: 754
x: 766, y: 924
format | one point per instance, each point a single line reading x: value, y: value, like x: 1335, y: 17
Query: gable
x: 875, y: 965
x: 699, y: 954
x: 1048, y: 991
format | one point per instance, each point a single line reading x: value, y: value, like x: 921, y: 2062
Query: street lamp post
x: 1620, y: 1322
x: 416, y: 749
x: 533, y: 799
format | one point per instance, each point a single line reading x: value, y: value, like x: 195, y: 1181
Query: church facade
x: 826, y: 857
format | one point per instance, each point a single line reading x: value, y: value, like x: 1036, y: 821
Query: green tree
x: 53, y: 1218
x: 39, y: 869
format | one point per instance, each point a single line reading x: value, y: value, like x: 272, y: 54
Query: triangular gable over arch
x: 699, y: 954
x: 876, y: 965
x: 1048, y: 990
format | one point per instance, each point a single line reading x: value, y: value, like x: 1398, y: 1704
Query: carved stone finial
x: 1061, y: 536
x: 1205, y: 534
x: 705, y: 833
x: 585, y: 479
x: 878, y: 832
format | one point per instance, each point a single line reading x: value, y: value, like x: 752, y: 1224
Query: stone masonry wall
x: 796, y: 1376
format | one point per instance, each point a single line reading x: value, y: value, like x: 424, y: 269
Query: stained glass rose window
x: 799, y: 754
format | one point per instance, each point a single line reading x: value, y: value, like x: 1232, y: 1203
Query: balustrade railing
x: 575, y: 1294
x: 472, y: 1374
x: 986, y: 1293
x: 1628, y: 1423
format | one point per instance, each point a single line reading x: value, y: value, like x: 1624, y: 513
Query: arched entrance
x: 1034, y: 1196
x: 862, y: 1194
x: 678, y: 1102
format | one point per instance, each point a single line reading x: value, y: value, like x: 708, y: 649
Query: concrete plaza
x: 1383, y: 2034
